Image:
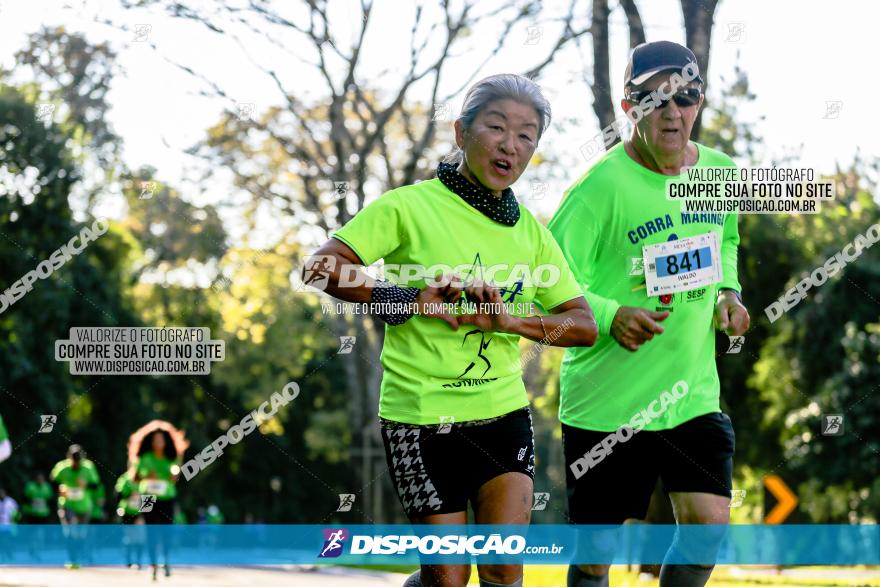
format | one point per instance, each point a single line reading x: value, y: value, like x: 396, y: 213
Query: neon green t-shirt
x: 604, y: 220
x: 98, y: 496
x: 156, y: 477
x: 3, y: 434
x: 431, y: 371
x: 129, y: 500
x: 76, y: 481
x: 37, y: 496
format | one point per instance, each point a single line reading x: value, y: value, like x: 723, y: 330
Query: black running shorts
x: 437, y: 469
x: 696, y: 456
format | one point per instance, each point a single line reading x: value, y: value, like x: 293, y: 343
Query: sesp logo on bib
x: 696, y: 295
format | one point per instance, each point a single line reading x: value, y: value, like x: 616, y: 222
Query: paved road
x: 196, y: 577
x: 337, y: 577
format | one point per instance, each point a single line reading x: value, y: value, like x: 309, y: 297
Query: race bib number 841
x: 682, y: 265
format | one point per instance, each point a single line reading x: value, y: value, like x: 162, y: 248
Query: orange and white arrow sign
x: 785, y: 497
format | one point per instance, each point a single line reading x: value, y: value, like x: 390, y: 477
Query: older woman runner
x: 453, y: 408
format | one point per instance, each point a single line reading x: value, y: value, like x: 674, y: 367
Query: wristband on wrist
x: 394, y: 304
x: 736, y: 293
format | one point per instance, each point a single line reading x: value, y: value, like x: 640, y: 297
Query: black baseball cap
x: 648, y: 59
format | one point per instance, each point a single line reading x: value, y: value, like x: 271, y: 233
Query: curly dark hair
x: 170, y: 452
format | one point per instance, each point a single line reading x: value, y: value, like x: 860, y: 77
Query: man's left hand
x: 730, y: 315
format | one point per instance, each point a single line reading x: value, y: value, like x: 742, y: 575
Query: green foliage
x: 74, y: 75
x: 87, y: 290
x: 131, y: 276
x: 819, y: 358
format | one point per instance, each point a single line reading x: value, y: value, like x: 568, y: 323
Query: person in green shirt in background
x: 9, y: 512
x: 98, y: 495
x: 128, y: 510
x: 36, y: 509
x: 129, y: 502
x: 155, y: 474
x: 75, y: 477
x: 9, y: 516
x: 179, y: 516
x: 38, y: 493
x: 653, y: 370
x: 5, y: 444
x: 213, y: 515
x: 453, y: 409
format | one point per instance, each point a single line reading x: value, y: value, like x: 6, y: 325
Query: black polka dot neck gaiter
x: 503, y: 210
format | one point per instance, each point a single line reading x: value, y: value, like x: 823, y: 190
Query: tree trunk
x: 601, y: 86
x: 699, y: 17
x: 634, y: 22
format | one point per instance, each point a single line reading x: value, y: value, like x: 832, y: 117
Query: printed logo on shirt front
x: 481, y: 346
x: 476, y: 273
x: 476, y: 270
x: 665, y: 302
x: 703, y: 218
x: 696, y: 295
x: 646, y: 229
x: 667, y: 299
x: 511, y: 292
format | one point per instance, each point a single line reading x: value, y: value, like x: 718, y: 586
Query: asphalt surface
x: 197, y: 577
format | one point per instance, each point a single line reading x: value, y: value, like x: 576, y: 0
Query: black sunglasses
x: 683, y: 98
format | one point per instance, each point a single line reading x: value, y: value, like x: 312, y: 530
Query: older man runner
x: 661, y: 340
